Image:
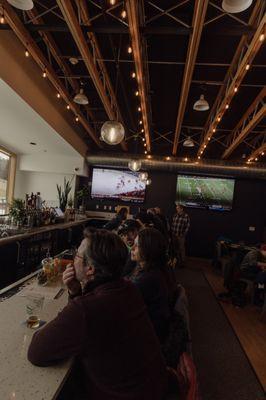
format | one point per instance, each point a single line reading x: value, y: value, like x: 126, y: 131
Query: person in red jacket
x: 106, y: 325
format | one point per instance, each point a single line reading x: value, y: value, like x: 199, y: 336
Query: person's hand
x: 70, y: 280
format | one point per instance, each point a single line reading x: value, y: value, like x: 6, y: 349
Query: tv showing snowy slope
x: 121, y: 185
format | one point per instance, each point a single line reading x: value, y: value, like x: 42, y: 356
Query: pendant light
x: 143, y: 176
x: 188, y: 142
x: 201, y: 104
x: 112, y: 132
x: 81, y: 98
x: 148, y: 181
x: 24, y: 5
x: 236, y: 6
x: 134, y: 165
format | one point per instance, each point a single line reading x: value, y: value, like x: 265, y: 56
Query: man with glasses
x: 105, y: 325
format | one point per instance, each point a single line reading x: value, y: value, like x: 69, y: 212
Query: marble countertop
x: 19, y: 379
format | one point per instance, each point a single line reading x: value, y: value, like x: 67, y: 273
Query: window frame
x: 11, y: 174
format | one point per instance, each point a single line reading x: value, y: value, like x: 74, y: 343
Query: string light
x: 142, y: 130
x: 262, y: 37
x: 143, y: 139
x: 129, y: 49
x: 227, y: 106
x: 140, y: 122
x: 133, y: 75
x: 145, y: 152
x: 2, y: 20
x: 198, y: 157
x: 149, y: 156
x: 247, y: 67
x: 68, y: 107
x: 168, y: 158
x: 256, y: 159
x: 205, y: 146
x: 214, y: 130
x: 139, y: 109
x: 201, y: 152
x: 58, y: 95
x: 124, y: 14
x: 136, y: 93
x: 209, y: 138
x: 219, y: 119
x: 27, y: 54
x: 44, y: 75
x: 145, y: 145
x: 112, y: 2
x: 186, y: 159
x: 262, y: 153
x: 77, y: 119
x: 235, y: 89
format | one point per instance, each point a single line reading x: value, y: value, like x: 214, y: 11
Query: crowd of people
x: 121, y: 311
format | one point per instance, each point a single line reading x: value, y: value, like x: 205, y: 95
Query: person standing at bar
x: 180, y: 227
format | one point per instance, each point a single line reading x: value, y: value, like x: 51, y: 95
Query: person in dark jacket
x: 120, y: 217
x: 106, y: 324
x: 152, y: 278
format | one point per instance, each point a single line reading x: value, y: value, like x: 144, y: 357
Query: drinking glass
x: 34, y: 306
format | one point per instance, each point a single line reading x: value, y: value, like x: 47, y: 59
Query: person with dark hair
x: 162, y: 217
x: 120, y: 217
x: 143, y: 218
x: 179, y: 228
x: 152, y: 278
x: 128, y: 233
x: 106, y: 325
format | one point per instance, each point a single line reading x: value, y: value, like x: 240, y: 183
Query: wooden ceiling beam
x: 235, y: 73
x: 200, y: 9
x: 26, y: 39
x: 109, y: 102
x: 260, y: 151
x: 242, y: 132
x: 50, y: 43
x: 83, y: 6
x: 134, y: 13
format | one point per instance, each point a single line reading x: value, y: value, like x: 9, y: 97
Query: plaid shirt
x: 180, y: 224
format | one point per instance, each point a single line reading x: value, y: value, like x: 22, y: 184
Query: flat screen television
x: 119, y: 185
x: 205, y: 192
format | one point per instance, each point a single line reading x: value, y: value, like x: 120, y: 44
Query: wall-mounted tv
x: 119, y: 185
x: 205, y: 192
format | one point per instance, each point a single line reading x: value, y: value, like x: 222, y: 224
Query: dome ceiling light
x: 236, y: 6
x: 24, y: 5
x: 201, y: 104
x: 81, y: 98
x: 188, y: 142
x: 134, y: 165
x: 112, y: 132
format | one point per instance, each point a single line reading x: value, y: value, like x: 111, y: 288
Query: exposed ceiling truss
x: 135, y: 12
x: 45, y: 65
x: 252, y: 117
x: 260, y: 150
x: 200, y: 9
x: 246, y: 52
x: 98, y: 76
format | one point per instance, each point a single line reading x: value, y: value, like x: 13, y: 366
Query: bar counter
x: 19, y: 379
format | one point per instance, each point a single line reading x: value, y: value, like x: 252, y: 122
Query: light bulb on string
x: 139, y: 109
x: 133, y: 75
x: 129, y: 49
x: 219, y: 119
x: 262, y: 37
x: 44, y: 75
x: 136, y: 93
x: 235, y: 89
x: 112, y: 2
x: 145, y: 152
x: 142, y: 130
x: 227, y: 106
x: 123, y: 14
x: 58, y: 95
x: 77, y: 119
x: 143, y: 139
x: 68, y: 107
x: 2, y: 20
x: 27, y: 54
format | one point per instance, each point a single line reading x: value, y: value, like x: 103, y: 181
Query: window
x: 7, y: 177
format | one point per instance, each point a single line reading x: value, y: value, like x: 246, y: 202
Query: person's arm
x: 60, y: 339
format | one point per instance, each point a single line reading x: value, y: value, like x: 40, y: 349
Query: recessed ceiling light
x: 33, y: 143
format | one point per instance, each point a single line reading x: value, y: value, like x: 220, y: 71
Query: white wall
x: 44, y: 182
x: 45, y: 162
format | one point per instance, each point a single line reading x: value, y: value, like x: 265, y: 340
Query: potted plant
x: 82, y: 195
x: 63, y: 193
x: 17, y: 211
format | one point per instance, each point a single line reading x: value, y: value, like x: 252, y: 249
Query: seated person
x: 128, y: 232
x: 152, y: 278
x: 253, y: 265
x: 106, y: 325
x: 120, y: 217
